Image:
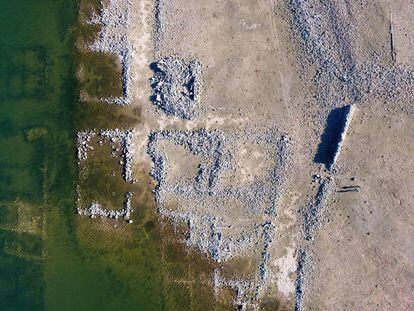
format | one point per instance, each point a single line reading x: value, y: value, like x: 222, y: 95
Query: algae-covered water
x: 49, y: 259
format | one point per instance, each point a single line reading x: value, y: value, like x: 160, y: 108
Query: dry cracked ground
x: 244, y: 136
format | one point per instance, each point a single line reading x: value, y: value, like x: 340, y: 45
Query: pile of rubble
x: 312, y: 213
x: 176, y: 87
x: 326, y: 36
x: 83, y: 138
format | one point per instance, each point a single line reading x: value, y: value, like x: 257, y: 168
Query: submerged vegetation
x: 35, y: 122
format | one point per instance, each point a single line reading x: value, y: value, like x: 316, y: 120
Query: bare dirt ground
x: 363, y: 255
x: 241, y: 174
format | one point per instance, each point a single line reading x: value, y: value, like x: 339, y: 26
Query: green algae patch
x: 35, y: 133
x: 275, y: 304
x: 128, y: 257
x: 36, y: 97
x: 21, y: 216
x: 91, y: 115
x: 21, y: 281
x: 100, y: 177
x: 23, y: 245
x: 99, y: 76
x: 24, y: 73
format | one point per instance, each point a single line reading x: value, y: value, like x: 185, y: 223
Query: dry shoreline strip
x: 325, y: 32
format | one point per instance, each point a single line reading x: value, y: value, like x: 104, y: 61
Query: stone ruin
x: 114, y: 20
x: 226, y: 214
x: 96, y: 210
x: 176, y: 87
x: 111, y: 136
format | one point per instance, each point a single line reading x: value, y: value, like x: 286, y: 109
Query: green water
x: 46, y: 260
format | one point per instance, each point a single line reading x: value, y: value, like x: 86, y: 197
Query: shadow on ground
x: 331, y: 136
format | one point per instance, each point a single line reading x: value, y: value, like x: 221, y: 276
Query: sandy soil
x: 363, y: 256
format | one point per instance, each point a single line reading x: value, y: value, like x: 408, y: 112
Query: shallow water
x: 46, y: 260
x: 35, y: 92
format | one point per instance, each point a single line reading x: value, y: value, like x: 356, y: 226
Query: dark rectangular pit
x: 332, y: 138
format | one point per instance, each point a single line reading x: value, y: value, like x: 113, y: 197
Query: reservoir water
x: 47, y: 261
